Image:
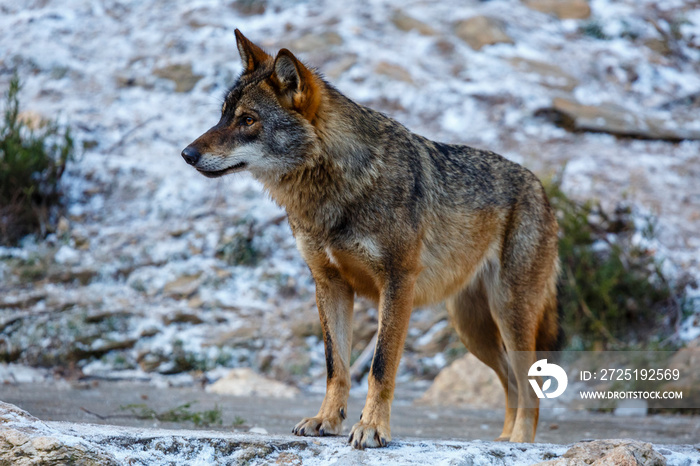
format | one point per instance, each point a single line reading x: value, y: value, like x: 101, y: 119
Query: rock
x: 549, y: 75
x: 687, y: 361
x: 609, y: 453
x: 195, y: 302
x: 31, y: 119
x: 182, y: 317
x: 25, y: 440
x: 245, y: 382
x: 63, y: 226
x: 245, y: 336
x: 201, y: 17
x: 660, y: 46
x: 59, y: 72
x: 613, y: 119
x: 82, y: 242
x: 103, y: 347
x: 407, y: 23
x: 289, y: 459
x: 22, y: 301
x: 307, y: 328
x: 562, y: 9
x: 183, y: 287
x: 393, y: 71
x: 249, y: 7
x: 181, y: 74
x: 82, y: 275
x: 466, y: 381
x: 480, y: 31
x: 290, y: 365
x: 315, y: 42
x: 150, y: 362
x: 126, y: 79
x: 340, y: 66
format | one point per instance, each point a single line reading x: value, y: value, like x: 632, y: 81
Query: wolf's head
x: 267, y: 118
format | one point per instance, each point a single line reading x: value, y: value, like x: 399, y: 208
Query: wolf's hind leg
x: 522, y: 297
x: 519, y: 339
x: 471, y: 316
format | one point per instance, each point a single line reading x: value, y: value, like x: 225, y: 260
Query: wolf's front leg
x: 334, y: 298
x: 395, y: 305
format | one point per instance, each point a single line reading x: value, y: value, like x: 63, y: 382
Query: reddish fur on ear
x: 251, y: 55
x: 300, y: 86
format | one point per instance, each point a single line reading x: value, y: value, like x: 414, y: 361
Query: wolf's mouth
x: 215, y: 174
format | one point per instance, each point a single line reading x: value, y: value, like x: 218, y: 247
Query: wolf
x: 381, y: 212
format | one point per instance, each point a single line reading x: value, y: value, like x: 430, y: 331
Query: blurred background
x: 121, y: 263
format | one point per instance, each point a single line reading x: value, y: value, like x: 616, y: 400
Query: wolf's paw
x: 320, y: 426
x: 502, y: 439
x: 368, y: 435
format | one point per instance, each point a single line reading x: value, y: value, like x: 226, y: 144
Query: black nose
x: 191, y: 155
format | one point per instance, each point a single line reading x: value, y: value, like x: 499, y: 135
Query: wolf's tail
x: 550, y: 334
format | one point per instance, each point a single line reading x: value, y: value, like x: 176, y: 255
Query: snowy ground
x: 157, y: 271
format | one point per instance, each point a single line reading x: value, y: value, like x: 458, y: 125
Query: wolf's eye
x: 248, y: 121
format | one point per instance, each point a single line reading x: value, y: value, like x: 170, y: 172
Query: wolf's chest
x: 360, y: 264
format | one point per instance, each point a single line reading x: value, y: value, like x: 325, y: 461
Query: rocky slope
x: 156, y: 273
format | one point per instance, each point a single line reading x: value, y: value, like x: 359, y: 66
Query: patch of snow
x: 67, y: 255
x: 257, y: 430
x: 16, y: 373
x: 428, y: 336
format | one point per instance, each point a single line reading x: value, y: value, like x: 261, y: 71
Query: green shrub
x: 612, y: 293
x: 182, y: 413
x: 33, y: 158
x: 239, y: 250
x: 594, y: 29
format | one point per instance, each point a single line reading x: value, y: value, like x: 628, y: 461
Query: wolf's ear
x: 251, y: 55
x: 298, y: 86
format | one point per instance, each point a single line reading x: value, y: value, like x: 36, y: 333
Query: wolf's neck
x: 342, y: 166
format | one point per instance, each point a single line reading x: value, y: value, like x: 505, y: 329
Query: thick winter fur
x: 381, y: 212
